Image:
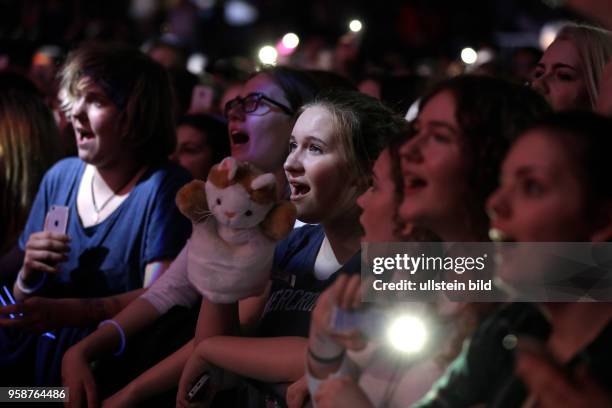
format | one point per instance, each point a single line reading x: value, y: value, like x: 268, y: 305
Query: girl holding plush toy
x: 332, y: 148
x: 261, y: 114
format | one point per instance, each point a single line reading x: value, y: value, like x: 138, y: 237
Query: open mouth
x: 239, y: 137
x: 413, y: 183
x: 298, y: 190
x: 84, y: 134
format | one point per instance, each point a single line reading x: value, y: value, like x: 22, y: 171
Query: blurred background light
x: 484, y: 55
x: 469, y: 55
x: 291, y: 40
x: 355, y: 26
x: 287, y: 45
x: 196, y: 64
x: 239, y: 13
x: 549, y: 32
x: 268, y: 55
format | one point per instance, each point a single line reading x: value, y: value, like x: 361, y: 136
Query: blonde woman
x: 569, y: 73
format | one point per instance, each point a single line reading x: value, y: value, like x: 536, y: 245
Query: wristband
x: 347, y: 367
x: 323, y: 346
x: 326, y: 360
x: 121, y: 335
x: 28, y: 290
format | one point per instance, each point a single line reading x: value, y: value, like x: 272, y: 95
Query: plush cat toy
x: 230, y: 254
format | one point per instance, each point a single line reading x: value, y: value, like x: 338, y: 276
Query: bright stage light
x: 268, y: 55
x: 291, y: 40
x: 196, y: 63
x: 469, y: 55
x: 355, y: 26
x: 407, y: 334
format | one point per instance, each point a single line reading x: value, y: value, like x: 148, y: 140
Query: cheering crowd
x: 108, y: 308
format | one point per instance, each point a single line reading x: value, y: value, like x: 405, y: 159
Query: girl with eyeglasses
x: 261, y: 117
x: 260, y: 122
x: 331, y: 151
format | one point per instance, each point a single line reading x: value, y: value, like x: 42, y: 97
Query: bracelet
x: 28, y: 290
x: 326, y: 360
x: 121, y: 334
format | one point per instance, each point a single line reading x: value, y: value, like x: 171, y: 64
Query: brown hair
x: 29, y: 145
x: 586, y: 138
x: 364, y: 126
x: 137, y: 85
x: 491, y: 113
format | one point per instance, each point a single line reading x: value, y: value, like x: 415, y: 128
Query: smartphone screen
x: 201, y: 99
x: 57, y: 219
x: 372, y: 320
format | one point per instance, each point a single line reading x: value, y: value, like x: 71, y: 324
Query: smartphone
x: 201, y: 99
x: 57, y: 219
x: 371, y: 321
x: 197, y: 391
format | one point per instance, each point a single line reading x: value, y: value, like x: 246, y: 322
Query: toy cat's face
x: 232, y: 206
x: 238, y: 195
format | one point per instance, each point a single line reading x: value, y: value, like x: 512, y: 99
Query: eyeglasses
x: 251, y: 102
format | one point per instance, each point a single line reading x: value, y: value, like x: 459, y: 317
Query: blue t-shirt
x: 295, y: 289
x: 110, y: 257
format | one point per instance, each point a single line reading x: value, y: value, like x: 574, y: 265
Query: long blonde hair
x: 29, y: 145
x: 594, y: 46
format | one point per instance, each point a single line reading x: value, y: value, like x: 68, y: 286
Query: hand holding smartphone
x: 371, y: 321
x: 57, y: 219
x: 43, y: 252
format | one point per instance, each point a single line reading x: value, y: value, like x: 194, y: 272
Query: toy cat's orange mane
x: 245, y: 174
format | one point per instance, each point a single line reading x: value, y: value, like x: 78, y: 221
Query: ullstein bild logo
x: 433, y: 285
x: 497, y: 272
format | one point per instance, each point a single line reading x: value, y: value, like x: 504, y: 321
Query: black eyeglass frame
x: 258, y: 97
